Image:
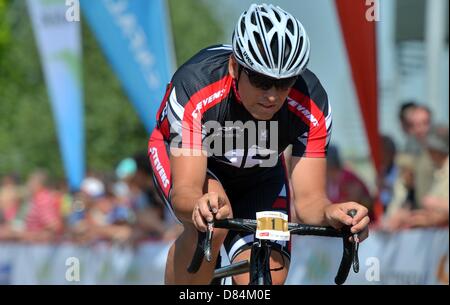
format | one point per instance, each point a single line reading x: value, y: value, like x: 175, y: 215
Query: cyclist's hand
x: 209, y: 207
x: 337, y: 217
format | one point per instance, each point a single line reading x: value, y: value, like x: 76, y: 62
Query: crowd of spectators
x: 121, y: 208
x: 412, y: 182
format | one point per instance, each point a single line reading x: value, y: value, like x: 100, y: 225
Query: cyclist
x: 262, y: 79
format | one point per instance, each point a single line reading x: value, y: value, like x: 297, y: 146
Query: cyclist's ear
x: 233, y: 67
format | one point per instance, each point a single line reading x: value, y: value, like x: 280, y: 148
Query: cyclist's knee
x: 279, y: 277
x: 242, y: 279
x: 279, y: 266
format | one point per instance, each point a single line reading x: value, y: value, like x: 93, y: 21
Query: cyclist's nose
x: 271, y: 95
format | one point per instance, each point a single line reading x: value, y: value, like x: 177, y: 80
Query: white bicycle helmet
x: 270, y: 41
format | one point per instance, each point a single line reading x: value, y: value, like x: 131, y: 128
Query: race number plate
x: 272, y: 225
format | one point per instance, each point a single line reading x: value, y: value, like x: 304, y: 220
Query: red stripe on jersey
x: 165, y: 128
x: 280, y: 203
x: 199, y: 103
x: 161, y: 118
x: 159, y: 161
x: 306, y: 109
x: 164, y: 102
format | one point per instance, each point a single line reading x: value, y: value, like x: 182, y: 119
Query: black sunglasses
x: 263, y: 82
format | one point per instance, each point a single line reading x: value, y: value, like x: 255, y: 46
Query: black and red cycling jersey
x: 202, y: 91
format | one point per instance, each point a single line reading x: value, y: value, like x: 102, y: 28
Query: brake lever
x: 355, y: 246
x: 355, y: 257
x: 208, y: 239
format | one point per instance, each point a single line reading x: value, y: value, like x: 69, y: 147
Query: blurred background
x: 80, y: 84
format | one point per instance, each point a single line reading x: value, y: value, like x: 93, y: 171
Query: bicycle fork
x: 260, y: 263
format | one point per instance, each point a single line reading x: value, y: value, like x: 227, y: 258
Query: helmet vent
x: 287, y: 50
x: 243, y: 26
x: 252, y: 52
x: 267, y: 24
x: 253, y: 19
x: 277, y: 15
x: 290, y: 26
x: 239, y: 53
x: 260, y: 45
x: 274, y: 48
x: 300, y: 45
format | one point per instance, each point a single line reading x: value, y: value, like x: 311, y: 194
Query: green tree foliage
x: 4, y: 29
x: 27, y: 135
x: 28, y: 139
x: 194, y: 28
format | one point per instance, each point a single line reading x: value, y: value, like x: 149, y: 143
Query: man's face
x: 262, y: 104
x: 420, y: 123
x: 407, y: 121
x: 35, y: 183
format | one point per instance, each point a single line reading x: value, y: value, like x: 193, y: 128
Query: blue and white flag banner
x: 136, y: 38
x: 59, y: 46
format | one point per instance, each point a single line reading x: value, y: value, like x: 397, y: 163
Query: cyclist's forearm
x: 312, y: 211
x: 183, y: 201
